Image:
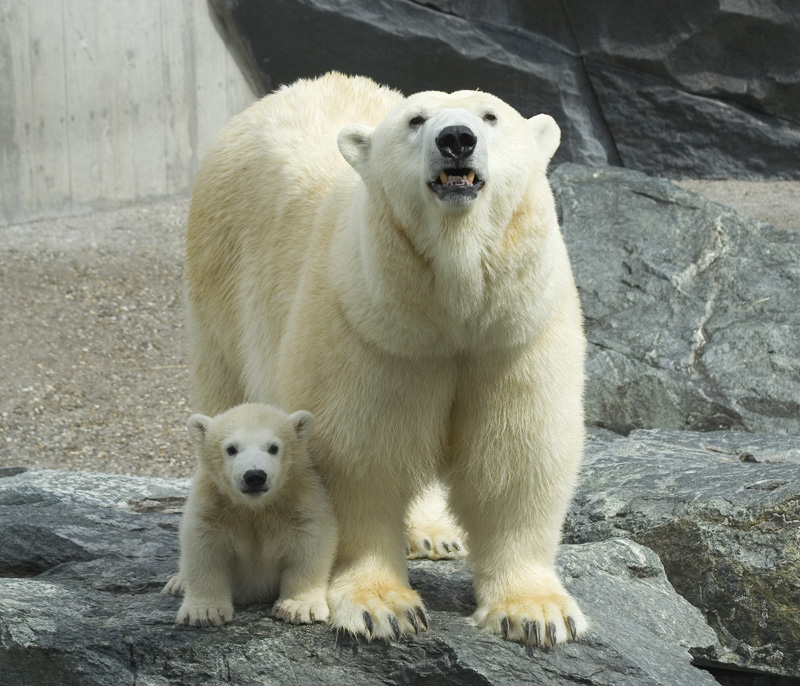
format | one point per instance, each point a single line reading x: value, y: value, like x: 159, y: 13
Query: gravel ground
x: 92, y: 347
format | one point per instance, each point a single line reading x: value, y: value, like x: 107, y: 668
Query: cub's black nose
x: 456, y: 142
x: 255, y: 479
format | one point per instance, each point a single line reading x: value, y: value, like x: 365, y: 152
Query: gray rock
x: 82, y: 606
x: 414, y: 46
x: 721, y: 510
x: 664, y: 130
x: 709, y: 90
x: 691, y: 309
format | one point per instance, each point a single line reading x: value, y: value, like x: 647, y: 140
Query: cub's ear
x: 355, y: 141
x: 302, y: 422
x: 198, y: 428
x: 547, y: 134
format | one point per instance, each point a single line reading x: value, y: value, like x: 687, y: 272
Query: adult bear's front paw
x: 376, y: 608
x: 534, y: 620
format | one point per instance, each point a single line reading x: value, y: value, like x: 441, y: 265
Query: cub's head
x: 451, y: 152
x: 246, y: 449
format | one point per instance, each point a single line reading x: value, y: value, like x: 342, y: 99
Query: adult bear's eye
x: 231, y: 450
x: 490, y: 118
x: 417, y: 121
x: 273, y: 449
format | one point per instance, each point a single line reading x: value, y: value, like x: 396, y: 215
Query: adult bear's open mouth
x: 457, y: 184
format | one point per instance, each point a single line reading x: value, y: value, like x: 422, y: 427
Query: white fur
x: 430, y: 337
x: 240, y: 545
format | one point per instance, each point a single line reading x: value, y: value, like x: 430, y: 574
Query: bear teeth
x: 454, y: 180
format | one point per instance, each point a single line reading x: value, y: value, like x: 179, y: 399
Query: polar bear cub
x: 258, y: 523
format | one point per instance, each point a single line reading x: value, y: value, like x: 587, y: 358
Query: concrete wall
x: 106, y: 103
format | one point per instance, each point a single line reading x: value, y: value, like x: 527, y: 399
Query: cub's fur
x: 258, y: 523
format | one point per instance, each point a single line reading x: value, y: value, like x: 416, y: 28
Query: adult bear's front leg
x: 369, y: 593
x: 518, y: 430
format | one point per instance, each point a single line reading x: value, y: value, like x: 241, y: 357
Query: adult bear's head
x: 451, y: 153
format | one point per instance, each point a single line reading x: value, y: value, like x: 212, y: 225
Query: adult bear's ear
x: 198, y: 428
x: 302, y: 422
x: 547, y: 135
x: 355, y: 141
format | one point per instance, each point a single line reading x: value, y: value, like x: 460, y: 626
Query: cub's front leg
x: 204, y: 568
x: 304, y: 583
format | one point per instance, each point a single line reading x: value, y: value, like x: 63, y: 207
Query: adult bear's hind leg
x: 432, y: 531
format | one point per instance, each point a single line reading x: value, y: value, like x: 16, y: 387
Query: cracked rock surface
x: 691, y: 309
x: 722, y: 510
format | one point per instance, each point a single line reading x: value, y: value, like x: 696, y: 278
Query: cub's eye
x: 231, y: 450
x: 272, y: 449
x: 490, y: 118
x: 417, y: 121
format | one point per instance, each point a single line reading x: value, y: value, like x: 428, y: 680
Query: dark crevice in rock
x: 6, y: 472
x: 739, y: 677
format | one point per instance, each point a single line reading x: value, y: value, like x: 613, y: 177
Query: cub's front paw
x: 302, y: 610
x: 376, y: 608
x: 534, y: 620
x: 205, y: 615
x: 175, y: 585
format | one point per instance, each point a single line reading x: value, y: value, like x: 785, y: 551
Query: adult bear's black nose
x: 456, y: 142
x: 255, y: 479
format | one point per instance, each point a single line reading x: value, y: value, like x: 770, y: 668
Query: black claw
x: 526, y: 629
x: 537, y: 631
x: 395, y: 627
x: 368, y: 622
x: 573, y: 630
x: 423, y: 616
x: 551, y: 632
x: 428, y: 545
x: 456, y: 546
x: 446, y: 546
x: 505, y: 627
x: 412, y: 617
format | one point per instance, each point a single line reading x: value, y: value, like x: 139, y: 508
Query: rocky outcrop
x: 84, y: 557
x: 691, y: 309
x: 721, y: 510
x: 704, y: 89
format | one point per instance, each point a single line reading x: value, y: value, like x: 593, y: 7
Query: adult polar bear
x: 420, y: 303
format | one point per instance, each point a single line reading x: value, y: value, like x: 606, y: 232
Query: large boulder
x: 721, y: 510
x: 691, y: 309
x: 707, y: 89
x: 83, y: 558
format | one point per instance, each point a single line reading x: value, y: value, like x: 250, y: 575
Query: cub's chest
x: 257, y: 551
